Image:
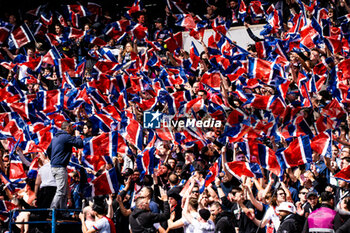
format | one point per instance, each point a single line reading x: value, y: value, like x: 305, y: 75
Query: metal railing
x: 53, y: 220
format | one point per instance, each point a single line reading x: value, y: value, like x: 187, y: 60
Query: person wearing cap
x: 322, y: 219
x: 161, y: 33
x: 175, y: 208
x: 289, y: 223
x: 312, y: 203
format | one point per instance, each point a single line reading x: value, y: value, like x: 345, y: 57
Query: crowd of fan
x: 173, y: 198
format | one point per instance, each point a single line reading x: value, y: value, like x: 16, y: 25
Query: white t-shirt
x: 188, y: 226
x: 47, y: 178
x: 204, y: 227
x: 89, y: 224
x: 272, y: 215
x: 102, y: 226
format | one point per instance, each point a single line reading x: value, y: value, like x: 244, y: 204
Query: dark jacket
x: 344, y: 228
x: 225, y: 222
x: 340, y: 218
x: 147, y: 218
x: 289, y: 224
x: 242, y: 221
x: 60, y: 148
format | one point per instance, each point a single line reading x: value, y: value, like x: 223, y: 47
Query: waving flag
x: 43, y: 138
x: 344, y: 174
x: 104, y: 122
x: 49, y: 101
x: 5, y: 208
x: 61, y: 19
x: 16, y: 168
x: 5, y: 29
x: 261, y: 101
x: 196, y: 105
x: 194, y: 56
x: 212, y: 79
x: 185, y: 20
x: 94, y: 9
x: 256, y: 10
x: 78, y: 9
x: 22, y: 36
x: 174, y: 42
x: 12, y: 186
x: 269, y: 160
x: 242, y: 10
x: 260, y: 69
x: 75, y: 33
x: 164, y: 133
x: 105, y: 144
x: 107, y: 183
x: 131, y: 131
x: 334, y: 44
x: 239, y: 169
x: 33, y: 168
x: 309, y: 37
x: 297, y: 153
x: 117, y: 29
x: 212, y: 174
x: 322, y: 143
x: 53, y: 39
x: 36, y: 11
x: 136, y: 7
x: 139, y: 31
x: 344, y: 19
x: 46, y: 17
x: 250, y: 148
x: 146, y: 161
x: 16, y: 127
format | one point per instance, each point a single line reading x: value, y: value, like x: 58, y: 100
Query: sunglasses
x: 196, y: 191
x: 303, y: 193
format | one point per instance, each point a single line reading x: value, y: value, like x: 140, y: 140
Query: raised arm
x: 253, y: 200
x: 21, y: 156
x: 126, y: 212
x: 223, y: 160
x: 110, y: 211
x: 220, y: 191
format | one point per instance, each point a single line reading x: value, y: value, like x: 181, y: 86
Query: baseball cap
x: 286, y: 206
x: 310, y: 194
x: 158, y: 20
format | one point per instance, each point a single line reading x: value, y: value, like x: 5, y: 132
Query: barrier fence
x: 53, y: 220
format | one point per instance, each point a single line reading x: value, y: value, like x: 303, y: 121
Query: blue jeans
x: 61, y: 196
